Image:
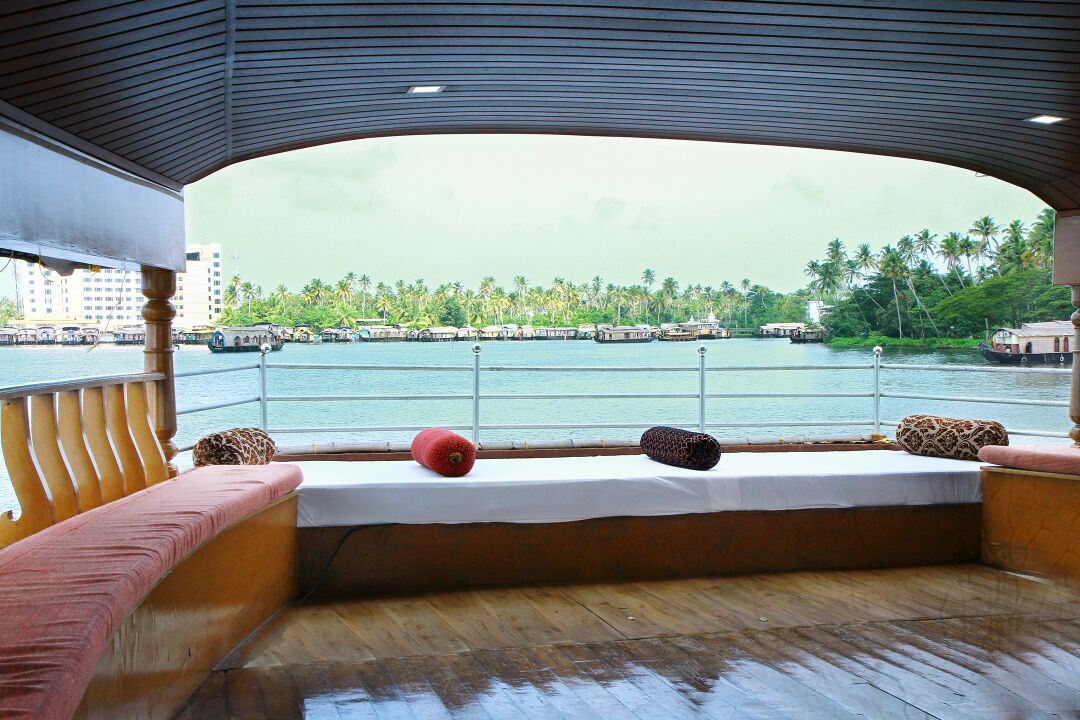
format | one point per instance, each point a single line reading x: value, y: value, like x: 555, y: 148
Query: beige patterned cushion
x: 239, y: 446
x: 948, y: 437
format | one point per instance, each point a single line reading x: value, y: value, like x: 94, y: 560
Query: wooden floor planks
x: 915, y: 643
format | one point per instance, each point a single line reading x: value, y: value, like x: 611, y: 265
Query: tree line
x: 356, y: 298
x: 956, y: 285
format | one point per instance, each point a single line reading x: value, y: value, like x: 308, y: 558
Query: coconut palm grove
x: 923, y: 287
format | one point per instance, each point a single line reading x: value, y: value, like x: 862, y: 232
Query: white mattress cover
x: 578, y: 488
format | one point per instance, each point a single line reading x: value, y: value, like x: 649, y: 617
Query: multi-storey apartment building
x: 100, y: 296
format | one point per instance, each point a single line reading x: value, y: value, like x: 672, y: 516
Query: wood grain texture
x: 416, y: 558
x: 50, y: 459
x: 175, y: 90
x: 153, y: 459
x: 36, y: 508
x: 95, y: 428
x: 961, y: 641
x: 1031, y: 522
x: 116, y: 422
x: 70, y: 420
x: 194, y: 617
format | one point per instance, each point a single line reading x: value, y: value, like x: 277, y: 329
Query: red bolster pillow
x: 445, y: 452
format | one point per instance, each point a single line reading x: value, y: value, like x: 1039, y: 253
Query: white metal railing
x: 875, y: 394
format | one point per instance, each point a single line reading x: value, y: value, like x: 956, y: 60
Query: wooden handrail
x: 73, y: 445
x: 58, y: 386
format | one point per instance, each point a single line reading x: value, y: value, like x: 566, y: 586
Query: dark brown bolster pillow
x: 239, y: 446
x: 681, y: 448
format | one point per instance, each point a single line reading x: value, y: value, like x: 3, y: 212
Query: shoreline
x: 938, y: 343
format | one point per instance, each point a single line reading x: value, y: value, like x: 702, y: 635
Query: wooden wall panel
x: 195, y: 617
x: 387, y: 559
x: 1031, y: 522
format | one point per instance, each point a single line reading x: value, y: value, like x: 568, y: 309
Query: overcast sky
x: 447, y: 208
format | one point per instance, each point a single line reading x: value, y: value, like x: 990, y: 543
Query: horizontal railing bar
x: 185, y: 448
x: 789, y: 395
x: 977, y: 368
x: 574, y: 426
x: 1011, y: 431
x: 431, y: 368
x: 995, y: 401
x: 564, y: 396
x: 585, y: 368
x: 761, y: 368
x: 395, y: 428
x: 216, y: 371
x: 47, y: 388
x: 218, y: 406
x: 361, y: 398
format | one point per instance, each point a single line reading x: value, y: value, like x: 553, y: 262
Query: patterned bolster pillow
x: 239, y: 446
x: 445, y: 452
x: 681, y: 448
x: 948, y: 437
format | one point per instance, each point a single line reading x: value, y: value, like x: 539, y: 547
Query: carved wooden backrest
x: 72, y: 446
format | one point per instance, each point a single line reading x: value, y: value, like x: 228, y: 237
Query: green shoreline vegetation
x: 924, y: 291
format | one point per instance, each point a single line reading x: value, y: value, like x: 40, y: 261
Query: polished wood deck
x: 960, y: 641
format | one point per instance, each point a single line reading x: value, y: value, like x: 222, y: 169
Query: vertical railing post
x: 476, y: 395
x: 877, y: 390
x: 263, y: 402
x: 159, y: 286
x: 701, y: 388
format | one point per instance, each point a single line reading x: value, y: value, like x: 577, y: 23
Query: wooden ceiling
x: 175, y: 89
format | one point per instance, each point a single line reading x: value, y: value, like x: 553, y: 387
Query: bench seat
x: 65, y: 590
x: 545, y: 490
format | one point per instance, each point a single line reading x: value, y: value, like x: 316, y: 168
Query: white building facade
x: 115, y: 296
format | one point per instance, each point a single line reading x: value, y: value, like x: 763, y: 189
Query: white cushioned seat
x: 563, y: 489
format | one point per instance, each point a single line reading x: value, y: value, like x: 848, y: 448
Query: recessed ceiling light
x: 1045, y: 119
x: 426, y: 89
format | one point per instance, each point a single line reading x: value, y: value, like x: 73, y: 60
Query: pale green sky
x: 446, y: 208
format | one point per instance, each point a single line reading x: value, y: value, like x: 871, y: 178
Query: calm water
x: 33, y: 364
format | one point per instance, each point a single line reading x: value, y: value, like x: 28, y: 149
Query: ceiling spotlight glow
x: 426, y: 89
x: 1045, y: 119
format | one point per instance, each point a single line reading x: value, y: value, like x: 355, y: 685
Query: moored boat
x: 335, y: 335
x: 243, y: 339
x: 1046, y: 343
x: 382, y: 333
x: 623, y: 334
x: 130, y: 335
x: 673, y: 332
x: 438, y: 334
x: 815, y: 335
x: 556, y: 333
x: 779, y: 329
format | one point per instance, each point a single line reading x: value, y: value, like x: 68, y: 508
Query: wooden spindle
x: 97, y: 437
x: 36, y: 511
x: 159, y: 286
x: 120, y: 435
x: 50, y: 459
x: 70, y: 420
x: 153, y: 459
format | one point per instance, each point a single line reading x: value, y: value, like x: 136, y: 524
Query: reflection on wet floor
x: 943, y: 642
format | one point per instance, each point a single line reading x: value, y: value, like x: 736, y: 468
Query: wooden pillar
x: 1067, y: 272
x: 159, y: 286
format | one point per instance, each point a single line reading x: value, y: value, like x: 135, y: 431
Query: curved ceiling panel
x: 176, y: 89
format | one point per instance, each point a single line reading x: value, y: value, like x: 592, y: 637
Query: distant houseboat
x: 623, y: 334
x: 438, y: 334
x: 335, y: 335
x: 586, y: 331
x: 89, y: 336
x: 556, y: 333
x: 243, y: 339
x: 133, y: 335
x: 69, y: 335
x: 497, y: 332
x: 382, y: 333
x: 304, y: 335
x: 779, y: 329
x: 671, y: 332
x: 7, y: 336
x: 46, y: 335
x: 525, y: 332
x: 199, y: 335
x: 807, y: 336
x: 468, y: 333
x: 1037, y: 342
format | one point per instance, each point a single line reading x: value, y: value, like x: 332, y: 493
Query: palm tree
x: 951, y: 249
x: 520, y: 286
x: 1040, y: 239
x: 384, y: 305
x: 986, y: 230
x: 343, y: 290
x: 969, y: 249
x: 281, y: 295
x: 891, y: 265
x: 364, y: 284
